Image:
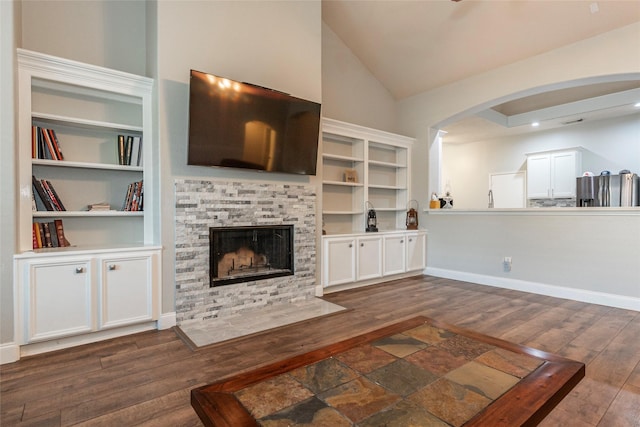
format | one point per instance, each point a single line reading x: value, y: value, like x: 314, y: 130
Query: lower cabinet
x: 66, y: 295
x: 416, y: 251
x: 59, y: 296
x: 126, y: 291
x: 367, y: 257
x: 395, y: 250
x: 339, y: 265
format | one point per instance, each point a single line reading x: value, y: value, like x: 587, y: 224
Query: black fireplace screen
x: 243, y: 254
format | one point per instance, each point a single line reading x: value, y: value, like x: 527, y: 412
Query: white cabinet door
x: 539, y: 176
x: 553, y: 175
x: 369, y: 257
x: 394, y: 254
x: 416, y: 251
x: 563, y: 175
x: 339, y: 261
x: 59, y: 299
x: 126, y: 290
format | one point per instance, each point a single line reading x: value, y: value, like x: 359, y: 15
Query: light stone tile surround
x: 200, y: 204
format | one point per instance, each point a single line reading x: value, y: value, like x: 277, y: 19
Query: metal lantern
x: 371, y: 221
x: 412, y: 215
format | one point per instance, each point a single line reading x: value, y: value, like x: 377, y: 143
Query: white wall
x: 611, y: 144
x: 269, y: 43
x: 350, y: 93
x: 612, y: 53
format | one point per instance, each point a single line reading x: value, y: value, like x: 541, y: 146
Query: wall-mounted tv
x: 240, y: 125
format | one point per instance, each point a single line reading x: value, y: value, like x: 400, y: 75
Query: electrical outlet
x: 506, y: 264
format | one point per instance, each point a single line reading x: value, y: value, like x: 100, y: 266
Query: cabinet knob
x: 362, y: 245
x: 79, y: 270
x: 111, y: 267
x: 350, y: 245
x: 411, y: 240
x: 401, y: 241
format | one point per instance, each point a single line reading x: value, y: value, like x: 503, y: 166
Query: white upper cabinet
x: 552, y: 175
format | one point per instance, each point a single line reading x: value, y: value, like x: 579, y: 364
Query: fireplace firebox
x: 243, y: 254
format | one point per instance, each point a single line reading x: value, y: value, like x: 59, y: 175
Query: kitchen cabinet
x: 371, y: 257
x: 83, y: 293
x: 552, y: 175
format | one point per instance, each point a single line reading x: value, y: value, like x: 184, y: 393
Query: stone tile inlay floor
x: 251, y: 321
x: 418, y: 374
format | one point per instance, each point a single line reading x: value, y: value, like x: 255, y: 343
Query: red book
x: 55, y: 143
x: 35, y: 236
x: 49, y: 144
x: 62, y: 239
x: 34, y: 142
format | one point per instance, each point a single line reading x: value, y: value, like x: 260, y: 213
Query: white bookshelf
x: 381, y: 162
x: 88, y: 107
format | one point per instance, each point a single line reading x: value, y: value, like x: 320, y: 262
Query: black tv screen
x: 240, y: 125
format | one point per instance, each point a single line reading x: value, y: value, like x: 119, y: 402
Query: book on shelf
x: 129, y: 150
x: 49, y: 235
x: 134, y: 197
x: 45, y: 144
x: 101, y: 206
x: 45, y: 196
x: 121, y: 149
x: 136, y: 152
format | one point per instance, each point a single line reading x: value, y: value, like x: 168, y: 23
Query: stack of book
x: 129, y: 150
x: 44, y: 144
x: 45, y: 197
x: 102, y: 206
x: 49, y: 235
x: 134, y: 198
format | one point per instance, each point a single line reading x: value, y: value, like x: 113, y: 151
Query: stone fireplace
x: 202, y: 205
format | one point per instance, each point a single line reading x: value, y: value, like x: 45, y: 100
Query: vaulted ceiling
x: 415, y: 46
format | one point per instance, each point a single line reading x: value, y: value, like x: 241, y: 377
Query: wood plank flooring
x: 145, y: 379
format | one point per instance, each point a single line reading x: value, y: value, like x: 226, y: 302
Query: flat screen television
x: 240, y: 125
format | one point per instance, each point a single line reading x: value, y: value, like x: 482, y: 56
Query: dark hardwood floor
x: 146, y: 379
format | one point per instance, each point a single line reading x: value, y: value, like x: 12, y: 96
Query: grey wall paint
x: 9, y: 38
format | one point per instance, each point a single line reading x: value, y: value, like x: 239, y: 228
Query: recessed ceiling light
x: 637, y: 105
x: 535, y: 124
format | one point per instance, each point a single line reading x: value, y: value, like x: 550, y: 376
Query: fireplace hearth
x: 244, y: 254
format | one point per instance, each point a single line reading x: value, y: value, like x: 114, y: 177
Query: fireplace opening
x: 242, y: 254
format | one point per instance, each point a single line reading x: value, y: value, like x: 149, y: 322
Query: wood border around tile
x: 526, y: 404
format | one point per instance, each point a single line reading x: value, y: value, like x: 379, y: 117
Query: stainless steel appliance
x: 628, y: 188
x: 607, y: 190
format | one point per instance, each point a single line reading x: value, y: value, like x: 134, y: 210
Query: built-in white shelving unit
x: 362, y: 166
x: 379, y: 163
x: 107, y: 283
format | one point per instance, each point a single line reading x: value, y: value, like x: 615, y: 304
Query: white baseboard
x: 12, y: 352
x: 167, y: 320
x: 9, y: 353
x: 582, y: 295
